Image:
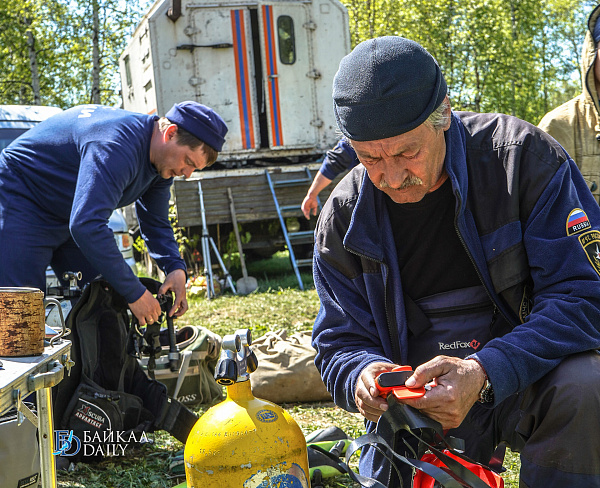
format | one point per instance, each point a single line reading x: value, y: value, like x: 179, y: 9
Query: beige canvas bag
x: 286, y: 370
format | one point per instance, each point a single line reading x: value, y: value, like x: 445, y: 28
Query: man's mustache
x: 411, y: 180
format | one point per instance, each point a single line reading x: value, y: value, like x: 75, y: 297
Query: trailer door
x: 222, y: 54
x: 287, y: 73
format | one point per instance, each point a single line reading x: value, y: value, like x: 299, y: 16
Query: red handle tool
x: 393, y: 381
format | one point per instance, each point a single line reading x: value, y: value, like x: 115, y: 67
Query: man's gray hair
x: 438, y: 119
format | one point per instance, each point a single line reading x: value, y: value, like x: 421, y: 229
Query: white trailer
x: 265, y: 66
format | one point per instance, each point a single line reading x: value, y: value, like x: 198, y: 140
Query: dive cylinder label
x: 266, y: 416
x: 283, y: 475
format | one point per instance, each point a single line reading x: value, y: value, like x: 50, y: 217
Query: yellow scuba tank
x: 244, y: 442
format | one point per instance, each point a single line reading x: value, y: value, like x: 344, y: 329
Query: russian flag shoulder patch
x: 577, y: 221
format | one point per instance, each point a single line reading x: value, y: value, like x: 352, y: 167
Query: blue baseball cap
x: 200, y: 121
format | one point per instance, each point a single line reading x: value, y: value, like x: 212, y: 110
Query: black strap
x: 176, y: 419
x: 497, y: 459
x: 344, y: 468
x: 377, y: 441
x: 428, y: 432
x: 416, y: 319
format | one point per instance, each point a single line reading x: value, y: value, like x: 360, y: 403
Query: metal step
x: 294, y: 182
x: 289, y: 208
x: 302, y: 237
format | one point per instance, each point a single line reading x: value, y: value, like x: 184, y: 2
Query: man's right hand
x: 146, y: 309
x: 309, y: 206
x: 367, y: 397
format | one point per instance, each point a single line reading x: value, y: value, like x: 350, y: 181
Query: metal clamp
x: 54, y: 375
x: 23, y: 410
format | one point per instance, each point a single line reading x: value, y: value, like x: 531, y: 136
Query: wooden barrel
x: 21, y: 322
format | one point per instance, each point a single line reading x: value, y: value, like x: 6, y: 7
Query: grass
x: 277, y: 304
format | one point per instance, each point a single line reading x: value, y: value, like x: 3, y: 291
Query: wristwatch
x: 486, y: 394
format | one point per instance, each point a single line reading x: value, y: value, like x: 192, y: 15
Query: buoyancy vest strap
x: 127, y: 359
x: 344, y: 468
x: 376, y: 441
x: 402, y: 417
x: 416, y: 319
x: 176, y: 419
x: 497, y: 459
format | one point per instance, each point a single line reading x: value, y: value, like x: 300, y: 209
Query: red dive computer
x: 393, y: 382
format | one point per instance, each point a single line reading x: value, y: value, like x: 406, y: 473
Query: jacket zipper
x: 395, y: 340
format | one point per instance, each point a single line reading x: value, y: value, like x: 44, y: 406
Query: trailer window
x: 287, y: 42
x: 127, y: 70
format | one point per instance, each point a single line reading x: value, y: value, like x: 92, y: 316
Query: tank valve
x: 237, y: 360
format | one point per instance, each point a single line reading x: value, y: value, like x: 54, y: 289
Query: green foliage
x: 46, y: 54
x: 232, y: 255
x: 139, y: 245
x: 517, y: 57
x: 187, y: 244
x: 32, y: 40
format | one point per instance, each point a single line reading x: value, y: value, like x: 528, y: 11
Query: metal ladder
x: 301, y: 237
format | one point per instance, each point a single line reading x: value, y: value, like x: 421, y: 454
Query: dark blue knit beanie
x: 200, y: 121
x: 385, y: 87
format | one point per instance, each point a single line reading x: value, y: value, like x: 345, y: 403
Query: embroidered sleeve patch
x: 590, y: 241
x: 577, y: 221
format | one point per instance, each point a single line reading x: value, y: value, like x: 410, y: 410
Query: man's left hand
x: 175, y: 282
x: 456, y: 384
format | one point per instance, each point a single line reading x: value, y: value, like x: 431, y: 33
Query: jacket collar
x: 456, y: 160
x: 369, y: 218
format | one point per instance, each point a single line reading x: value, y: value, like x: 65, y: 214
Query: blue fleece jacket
x: 338, y: 159
x: 516, y: 195
x: 83, y: 163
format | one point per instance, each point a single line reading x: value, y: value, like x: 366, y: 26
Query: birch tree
x: 64, y: 52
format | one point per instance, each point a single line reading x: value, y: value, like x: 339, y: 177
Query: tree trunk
x: 33, y: 64
x: 514, y: 38
x: 35, y: 75
x: 95, y: 95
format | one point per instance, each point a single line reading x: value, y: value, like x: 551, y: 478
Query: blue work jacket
x: 76, y: 168
x: 531, y: 227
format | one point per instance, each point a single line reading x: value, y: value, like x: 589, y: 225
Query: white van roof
x: 25, y: 115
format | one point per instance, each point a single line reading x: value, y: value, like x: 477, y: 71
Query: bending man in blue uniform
x: 467, y: 246
x: 61, y: 180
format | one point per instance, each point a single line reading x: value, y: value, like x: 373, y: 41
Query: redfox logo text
x: 474, y: 344
x: 109, y: 443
